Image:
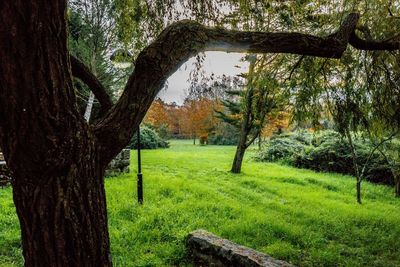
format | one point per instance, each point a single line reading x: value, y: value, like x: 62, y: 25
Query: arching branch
x: 370, y: 45
x: 80, y: 71
x: 182, y: 40
x: 332, y: 46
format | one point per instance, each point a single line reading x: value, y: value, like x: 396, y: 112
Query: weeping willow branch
x: 184, y: 39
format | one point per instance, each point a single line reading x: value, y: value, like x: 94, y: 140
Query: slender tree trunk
x: 359, y: 190
x: 89, y: 106
x: 397, y: 186
x: 237, y: 161
x: 240, y: 150
x: 244, y: 132
x: 355, y: 165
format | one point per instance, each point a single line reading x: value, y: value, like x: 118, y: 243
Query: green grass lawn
x: 307, y: 218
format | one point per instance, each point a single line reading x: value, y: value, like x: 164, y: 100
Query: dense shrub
x: 149, y: 139
x: 282, y: 148
x: 334, y: 155
x: 303, y: 137
x: 326, y: 151
x: 223, y: 140
x: 224, y: 134
x: 322, y: 137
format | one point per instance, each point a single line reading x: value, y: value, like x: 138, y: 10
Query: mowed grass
x: 306, y: 218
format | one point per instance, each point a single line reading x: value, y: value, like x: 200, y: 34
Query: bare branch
x: 80, y: 71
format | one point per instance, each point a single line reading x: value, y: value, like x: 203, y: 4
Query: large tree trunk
x: 58, y: 185
x: 63, y: 221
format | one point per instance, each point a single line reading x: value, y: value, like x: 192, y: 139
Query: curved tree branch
x: 370, y: 45
x: 332, y: 46
x: 182, y: 40
x: 80, y: 71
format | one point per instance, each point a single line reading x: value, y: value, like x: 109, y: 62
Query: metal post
x: 139, y: 175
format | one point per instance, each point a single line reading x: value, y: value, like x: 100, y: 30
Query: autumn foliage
x: 193, y: 119
x: 277, y: 123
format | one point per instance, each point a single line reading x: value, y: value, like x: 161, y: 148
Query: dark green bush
x: 149, y: 139
x: 224, y: 134
x: 303, y: 137
x: 322, y: 137
x: 327, y: 151
x: 222, y: 140
x: 334, y: 155
x: 282, y: 148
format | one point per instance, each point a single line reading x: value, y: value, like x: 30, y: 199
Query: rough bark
x: 63, y: 217
x: 358, y: 187
x: 58, y: 188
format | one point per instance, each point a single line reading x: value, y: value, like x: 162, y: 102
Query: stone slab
x: 207, y: 249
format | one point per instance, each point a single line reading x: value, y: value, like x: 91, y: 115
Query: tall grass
x: 306, y: 218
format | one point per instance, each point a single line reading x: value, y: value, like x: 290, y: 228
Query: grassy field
x: 307, y: 218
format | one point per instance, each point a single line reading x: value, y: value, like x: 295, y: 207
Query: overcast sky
x: 218, y: 63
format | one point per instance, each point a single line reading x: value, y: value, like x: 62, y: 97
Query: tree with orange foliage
x: 159, y: 117
x: 157, y: 114
x: 276, y: 123
x: 197, y: 117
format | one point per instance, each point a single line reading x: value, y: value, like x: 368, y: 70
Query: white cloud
x: 218, y: 63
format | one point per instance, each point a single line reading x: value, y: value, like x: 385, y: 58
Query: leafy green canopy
x: 359, y: 90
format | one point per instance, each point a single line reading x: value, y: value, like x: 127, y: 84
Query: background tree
x: 249, y: 108
x: 277, y: 124
x: 92, y: 39
x: 391, y: 153
x: 159, y: 117
x: 197, y: 117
